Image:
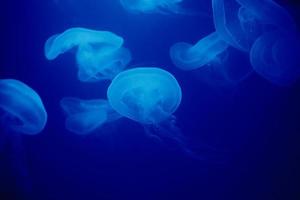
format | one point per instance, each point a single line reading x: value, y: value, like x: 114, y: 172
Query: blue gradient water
x: 244, y: 128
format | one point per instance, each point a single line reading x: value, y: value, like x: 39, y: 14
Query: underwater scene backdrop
x: 150, y: 99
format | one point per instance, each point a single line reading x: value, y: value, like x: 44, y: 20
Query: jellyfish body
x: 146, y: 95
x: 99, y: 55
x: 22, y: 109
x: 269, y: 12
x: 85, y: 116
x: 149, y: 96
x: 152, y: 6
x: 275, y: 56
x: 188, y: 57
x: 235, y: 24
x: 104, y: 63
x: 73, y: 37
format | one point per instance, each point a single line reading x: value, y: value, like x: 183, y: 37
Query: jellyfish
x: 22, y: 109
x: 21, y: 112
x: 149, y: 96
x: 275, y: 57
x: 86, y: 116
x: 269, y: 12
x: 152, y: 6
x: 99, y: 54
x: 235, y: 24
x: 146, y: 95
x: 188, y: 57
x: 103, y: 63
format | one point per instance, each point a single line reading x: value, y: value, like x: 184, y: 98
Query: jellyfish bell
x: 102, y: 63
x: 188, y: 57
x: 234, y: 24
x: 275, y: 57
x: 86, y: 116
x: 74, y: 37
x: 146, y: 95
x: 22, y: 108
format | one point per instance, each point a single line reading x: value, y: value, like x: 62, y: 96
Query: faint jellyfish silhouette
x: 235, y: 24
x: 22, y: 108
x: 86, y: 116
x: 188, y: 57
x: 249, y: 23
x: 153, y: 6
x: 269, y: 12
x: 275, y: 56
x: 99, y: 54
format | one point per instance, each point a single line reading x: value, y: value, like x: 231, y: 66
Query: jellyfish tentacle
x: 168, y: 133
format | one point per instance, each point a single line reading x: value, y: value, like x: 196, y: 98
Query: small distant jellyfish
x: 152, y: 6
x: 275, y: 56
x: 189, y: 57
x: 86, y: 116
x: 22, y: 109
x: 269, y: 12
x: 235, y: 24
x: 99, y: 54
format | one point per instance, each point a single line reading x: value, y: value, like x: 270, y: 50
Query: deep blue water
x: 247, y: 132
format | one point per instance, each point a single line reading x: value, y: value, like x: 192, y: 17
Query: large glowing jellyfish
x: 85, y: 116
x: 235, y: 24
x: 145, y: 95
x: 275, y: 56
x: 188, y: 57
x: 152, y: 6
x: 149, y: 96
x: 22, y: 109
x: 99, y: 54
x: 269, y: 12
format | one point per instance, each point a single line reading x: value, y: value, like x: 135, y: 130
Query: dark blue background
x: 248, y: 133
